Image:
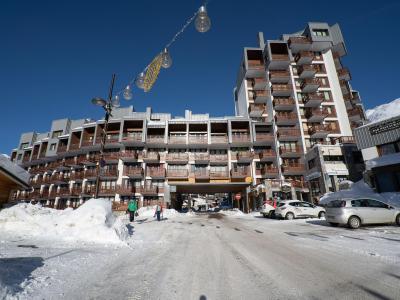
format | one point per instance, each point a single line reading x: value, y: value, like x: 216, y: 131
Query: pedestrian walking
x: 132, y: 208
x: 158, y: 211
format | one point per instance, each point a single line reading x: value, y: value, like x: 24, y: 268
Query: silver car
x: 359, y: 211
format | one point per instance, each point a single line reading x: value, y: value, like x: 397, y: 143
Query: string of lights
x: 146, y: 79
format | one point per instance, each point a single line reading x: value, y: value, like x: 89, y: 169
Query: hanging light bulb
x: 127, y: 93
x: 115, y: 101
x: 202, y: 22
x: 166, y: 59
x: 139, y: 81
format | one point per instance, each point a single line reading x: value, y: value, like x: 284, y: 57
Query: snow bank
x: 234, y: 212
x: 148, y: 211
x: 384, y: 111
x: 361, y: 189
x: 91, y: 222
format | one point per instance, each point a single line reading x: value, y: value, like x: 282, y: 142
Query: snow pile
x: 361, y: 189
x: 384, y: 111
x: 91, y: 222
x: 3, y: 290
x: 148, y: 211
x: 233, y: 213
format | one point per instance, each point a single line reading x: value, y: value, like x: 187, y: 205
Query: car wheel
x: 321, y: 214
x: 334, y: 224
x: 398, y: 220
x: 354, y: 222
x: 271, y: 214
x: 289, y: 216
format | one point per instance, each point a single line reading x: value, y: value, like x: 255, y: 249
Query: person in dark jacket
x: 158, y: 211
x: 132, y: 208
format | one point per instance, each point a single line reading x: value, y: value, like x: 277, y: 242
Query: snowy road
x: 221, y: 257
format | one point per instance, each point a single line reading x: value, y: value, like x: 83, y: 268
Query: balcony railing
x: 63, y: 192
x: 284, y: 133
x: 240, y: 172
x: 293, y: 168
x: 244, y: 137
x: 132, y: 137
x: 316, y: 114
x: 89, y: 190
x: 110, y: 138
x: 219, y: 138
x: 285, y: 116
x: 158, y: 139
x: 219, y: 174
x: 218, y: 158
x: 133, y: 171
x: 201, y: 173
x: 177, y: 157
x: 304, y: 57
x: 299, y: 40
x: 177, y: 139
x: 149, y: 189
x: 278, y: 89
x: 151, y: 156
x: 74, y: 146
x: 291, y: 150
x: 129, y: 154
x: 256, y: 109
x: 344, y: 74
x: 264, y: 137
x: 306, y: 71
x: 111, y: 155
x: 173, y: 173
x: 313, y: 99
x: 109, y: 172
x: 107, y: 191
x: 269, y: 170
x: 62, y: 148
x: 281, y: 103
x: 198, y: 139
x: 259, y: 83
x: 87, y: 142
x: 90, y: 173
x: 155, y: 172
x: 125, y: 189
x: 279, y: 75
x: 76, y: 191
x: 244, y: 155
x: 283, y: 57
x: 77, y: 176
x: 347, y: 140
x: 266, y: 153
x: 255, y: 65
x: 201, y: 156
x: 310, y: 84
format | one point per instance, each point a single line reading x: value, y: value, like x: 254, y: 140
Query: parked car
x: 267, y: 210
x: 359, y: 211
x: 291, y: 209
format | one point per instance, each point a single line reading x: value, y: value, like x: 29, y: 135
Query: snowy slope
x: 384, y: 111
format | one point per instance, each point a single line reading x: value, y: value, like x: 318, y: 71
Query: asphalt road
x: 215, y: 257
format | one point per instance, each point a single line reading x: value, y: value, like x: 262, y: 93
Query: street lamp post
x: 107, y: 106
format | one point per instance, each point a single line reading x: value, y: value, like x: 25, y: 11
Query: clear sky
x: 56, y: 55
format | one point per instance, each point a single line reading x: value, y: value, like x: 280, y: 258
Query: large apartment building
x: 291, y: 94
x: 297, y: 94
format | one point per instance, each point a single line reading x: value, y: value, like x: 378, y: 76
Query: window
x: 56, y: 134
x: 295, y: 204
x: 387, y: 149
x: 320, y: 32
x: 327, y: 96
x: 377, y: 204
x: 311, y: 163
x: 23, y: 146
x: 53, y: 147
x: 305, y: 204
x: 19, y: 157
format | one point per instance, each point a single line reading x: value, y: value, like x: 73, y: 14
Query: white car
x: 267, y: 210
x: 291, y: 209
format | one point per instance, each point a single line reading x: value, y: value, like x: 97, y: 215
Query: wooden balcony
x: 304, y: 57
x: 267, y: 155
x: 77, y: 176
x: 259, y: 83
x: 201, y: 174
x: 319, y: 131
x: 310, y: 85
x: 284, y: 90
x: 218, y: 158
x: 219, y: 174
x: 313, y: 99
x: 240, y: 173
x: 286, y: 118
x: 59, y: 178
x: 76, y: 191
x: 269, y: 170
x: 63, y: 192
x: 244, y: 156
x: 260, y: 97
x: 177, y: 174
x: 289, y: 134
x: 279, y: 76
x: 347, y: 140
x: 111, y: 191
x: 61, y: 148
x: 74, y: 146
x: 299, y: 43
x: 149, y: 190
x: 90, y: 173
x: 293, y: 169
x: 256, y: 110
x: 316, y: 114
x: 265, y: 137
x: 201, y: 157
x: 111, y: 138
x: 241, y: 138
x: 306, y: 71
x: 291, y: 152
x: 177, y: 157
x: 89, y: 190
x: 125, y: 190
x: 155, y: 139
x: 344, y: 74
x: 155, y: 172
x: 132, y: 137
x: 151, y: 157
x: 255, y: 68
x: 284, y: 103
x: 87, y: 142
x: 219, y: 138
x: 198, y: 139
x: 177, y: 139
x: 355, y: 114
x: 133, y: 172
x: 108, y: 172
x: 129, y: 155
x: 111, y: 156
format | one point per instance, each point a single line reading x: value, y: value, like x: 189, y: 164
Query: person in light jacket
x: 158, y: 211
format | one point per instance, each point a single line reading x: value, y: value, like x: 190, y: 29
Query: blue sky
x: 56, y: 55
